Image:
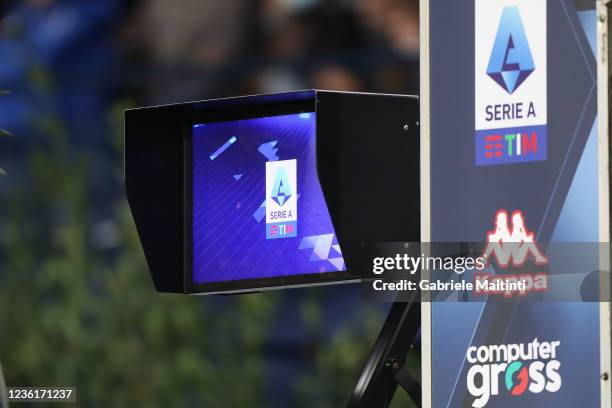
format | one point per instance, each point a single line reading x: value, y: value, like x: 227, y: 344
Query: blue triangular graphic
x: 269, y: 150
x: 308, y: 242
x: 338, y: 263
x: 510, y: 78
x: 281, y: 192
x: 511, y: 61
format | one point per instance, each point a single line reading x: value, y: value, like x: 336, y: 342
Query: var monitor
x: 269, y: 191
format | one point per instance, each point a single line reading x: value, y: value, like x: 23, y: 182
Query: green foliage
x: 339, y: 361
x: 71, y: 315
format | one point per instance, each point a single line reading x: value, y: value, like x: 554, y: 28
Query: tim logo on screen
x: 281, y: 199
x: 511, y: 82
x: 517, y: 369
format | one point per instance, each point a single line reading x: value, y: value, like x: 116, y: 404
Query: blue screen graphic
x: 240, y: 168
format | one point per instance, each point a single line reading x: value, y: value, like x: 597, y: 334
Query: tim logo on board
x: 511, y: 81
x: 281, y: 199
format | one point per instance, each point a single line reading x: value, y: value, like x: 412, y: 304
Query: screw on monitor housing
x: 605, y: 376
x: 602, y: 17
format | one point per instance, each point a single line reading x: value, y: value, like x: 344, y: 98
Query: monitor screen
x: 258, y: 208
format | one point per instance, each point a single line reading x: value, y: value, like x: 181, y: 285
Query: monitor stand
x: 385, y: 368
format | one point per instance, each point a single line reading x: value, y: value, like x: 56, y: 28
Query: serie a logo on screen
x: 516, y: 369
x: 281, y: 199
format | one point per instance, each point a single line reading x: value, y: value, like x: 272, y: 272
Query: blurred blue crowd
x: 59, y: 57
x: 73, y: 58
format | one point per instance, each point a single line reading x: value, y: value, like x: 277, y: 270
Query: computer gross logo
x: 281, y: 199
x: 515, y: 369
x: 511, y: 82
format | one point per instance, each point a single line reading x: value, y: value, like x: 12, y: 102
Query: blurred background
x: 77, y: 307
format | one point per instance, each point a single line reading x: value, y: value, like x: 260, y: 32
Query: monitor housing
x: 355, y: 157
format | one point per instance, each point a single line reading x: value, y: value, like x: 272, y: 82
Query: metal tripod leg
x: 385, y: 370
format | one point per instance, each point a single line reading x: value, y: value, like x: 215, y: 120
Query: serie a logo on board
x: 511, y: 82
